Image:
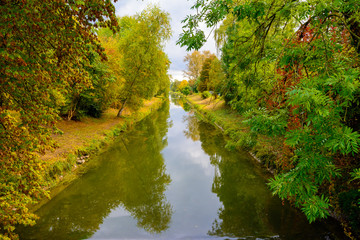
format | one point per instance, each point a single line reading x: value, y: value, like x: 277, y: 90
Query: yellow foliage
x: 183, y: 84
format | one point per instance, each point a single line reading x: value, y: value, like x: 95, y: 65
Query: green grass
x: 88, y: 137
x: 239, y: 134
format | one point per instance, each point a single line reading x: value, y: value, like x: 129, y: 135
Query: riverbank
x: 271, y: 153
x: 80, y: 141
x: 170, y: 176
x: 264, y: 150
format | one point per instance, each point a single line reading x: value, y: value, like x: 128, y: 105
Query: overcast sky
x: 178, y: 9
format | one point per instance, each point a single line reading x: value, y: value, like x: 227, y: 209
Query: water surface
x: 171, y: 177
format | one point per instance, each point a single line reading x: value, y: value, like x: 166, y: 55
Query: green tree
x: 182, y: 85
x: 311, y: 80
x: 44, y: 45
x: 204, y: 74
x: 91, y: 101
x: 144, y: 63
x: 175, y: 85
x: 216, y: 77
x: 186, y: 90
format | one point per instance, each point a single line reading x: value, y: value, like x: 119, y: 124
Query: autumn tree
x: 183, y: 84
x: 144, y: 63
x: 195, y: 61
x: 111, y: 44
x: 43, y: 46
x: 204, y: 74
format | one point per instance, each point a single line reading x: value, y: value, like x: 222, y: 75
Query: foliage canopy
x: 45, y: 48
x: 292, y: 68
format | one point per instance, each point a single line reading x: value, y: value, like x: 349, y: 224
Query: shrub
x: 186, y: 90
x: 205, y: 94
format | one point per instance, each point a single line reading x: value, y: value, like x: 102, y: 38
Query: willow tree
x: 43, y: 46
x: 144, y: 63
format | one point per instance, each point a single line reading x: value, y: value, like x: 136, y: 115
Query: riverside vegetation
x: 71, y: 60
x: 290, y: 70
x: 265, y: 150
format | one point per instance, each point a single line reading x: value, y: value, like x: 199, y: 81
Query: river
x: 170, y: 177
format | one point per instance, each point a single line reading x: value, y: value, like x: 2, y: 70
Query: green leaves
x: 193, y: 40
x: 311, y: 99
x: 210, y: 12
x: 316, y: 208
x: 356, y: 174
x: 346, y: 141
x: 262, y: 122
x: 143, y: 61
x: 298, y: 184
x: 295, y: 137
x: 252, y: 10
x: 345, y: 83
x: 44, y: 48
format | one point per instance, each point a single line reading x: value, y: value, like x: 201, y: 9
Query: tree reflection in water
x: 131, y: 174
x: 248, y: 208
x: 192, y: 127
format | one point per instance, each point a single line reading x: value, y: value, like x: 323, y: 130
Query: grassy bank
x: 272, y: 153
x: 82, y: 140
x: 264, y: 150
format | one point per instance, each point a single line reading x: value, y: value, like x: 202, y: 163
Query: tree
x: 195, y: 61
x: 216, y: 76
x: 315, y: 83
x: 182, y: 85
x: 111, y: 44
x: 92, y: 101
x: 204, y: 74
x: 43, y: 45
x: 249, y: 70
x: 144, y: 64
x: 175, y: 85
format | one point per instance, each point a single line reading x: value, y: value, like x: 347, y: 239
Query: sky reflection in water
x: 172, y: 178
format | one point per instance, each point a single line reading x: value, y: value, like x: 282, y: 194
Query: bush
x: 205, y: 94
x: 186, y: 90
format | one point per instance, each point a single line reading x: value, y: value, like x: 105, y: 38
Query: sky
x: 178, y: 9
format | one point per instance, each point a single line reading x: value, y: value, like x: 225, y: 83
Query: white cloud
x: 178, y: 10
x: 177, y: 75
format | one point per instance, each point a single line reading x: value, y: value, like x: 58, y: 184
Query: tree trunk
x: 122, y: 108
x: 354, y: 26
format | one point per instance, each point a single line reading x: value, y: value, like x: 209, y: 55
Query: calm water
x: 172, y: 178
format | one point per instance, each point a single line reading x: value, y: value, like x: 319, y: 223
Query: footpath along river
x: 171, y: 177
